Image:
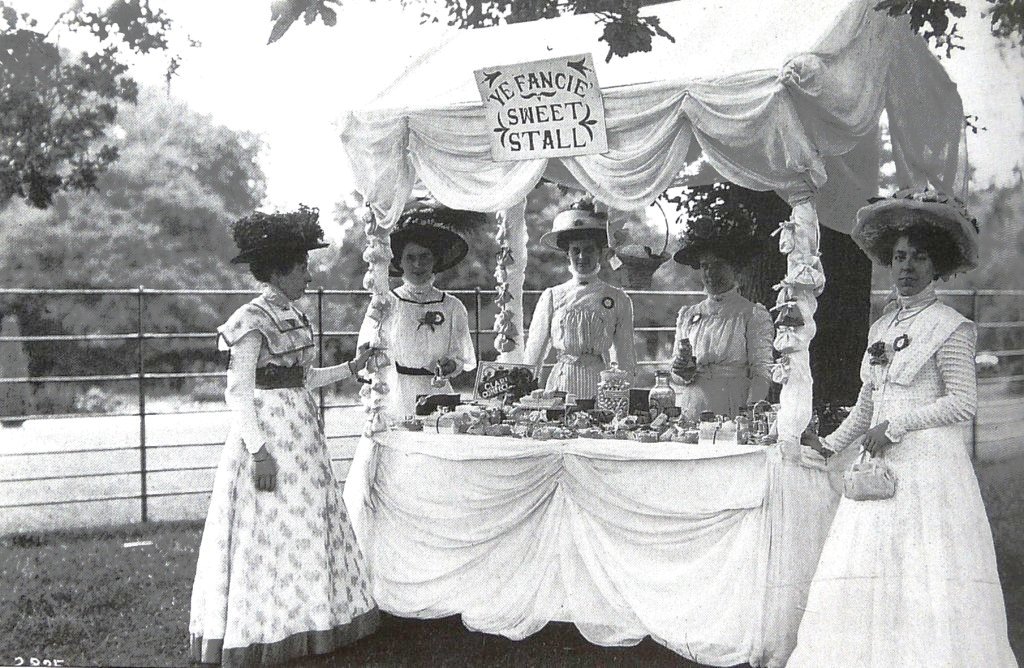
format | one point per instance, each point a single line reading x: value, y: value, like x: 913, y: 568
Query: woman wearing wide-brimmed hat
x: 279, y: 574
x: 722, y: 355
x: 911, y: 580
x: 583, y: 318
x: 428, y: 328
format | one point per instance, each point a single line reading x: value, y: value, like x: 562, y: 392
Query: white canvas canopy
x: 769, y: 94
x: 772, y: 94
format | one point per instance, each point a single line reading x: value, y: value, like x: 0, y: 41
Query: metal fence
x: 142, y: 377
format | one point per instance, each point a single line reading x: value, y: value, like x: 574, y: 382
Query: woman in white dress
x: 428, y: 328
x: 722, y: 355
x: 584, y: 318
x: 279, y: 573
x: 911, y: 580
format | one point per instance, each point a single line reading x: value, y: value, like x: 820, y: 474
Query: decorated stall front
x: 708, y: 549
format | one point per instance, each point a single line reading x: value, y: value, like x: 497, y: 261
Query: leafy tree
x: 55, y: 107
x: 158, y: 217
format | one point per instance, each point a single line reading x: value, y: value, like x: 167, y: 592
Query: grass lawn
x: 84, y: 598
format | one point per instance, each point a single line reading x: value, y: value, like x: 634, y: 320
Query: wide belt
x: 592, y: 360
x: 273, y: 377
x: 412, y: 371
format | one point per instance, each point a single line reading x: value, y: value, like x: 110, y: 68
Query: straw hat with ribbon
x: 578, y: 217
x: 879, y: 225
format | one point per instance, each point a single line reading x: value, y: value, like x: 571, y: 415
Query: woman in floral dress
x: 722, y: 356
x: 911, y: 580
x: 279, y: 573
x: 585, y: 318
x: 428, y: 329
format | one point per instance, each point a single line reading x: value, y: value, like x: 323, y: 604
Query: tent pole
x: 804, y: 281
x: 514, y: 221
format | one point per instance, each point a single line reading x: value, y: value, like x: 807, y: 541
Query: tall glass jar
x: 613, y: 391
x: 662, y: 396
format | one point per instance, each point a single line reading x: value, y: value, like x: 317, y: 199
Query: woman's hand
x: 264, y: 470
x: 683, y: 369
x: 875, y: 439
x: 447, y: 366
x: 813, y: 441
x: 358, y: 363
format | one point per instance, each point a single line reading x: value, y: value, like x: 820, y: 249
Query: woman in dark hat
x: 911, y: 580
x: 279, y: 574
x: 584, y: 318
x: 722, y: 355
x: 428, y: 328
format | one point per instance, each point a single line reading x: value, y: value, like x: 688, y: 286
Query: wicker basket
x: 639, y: 271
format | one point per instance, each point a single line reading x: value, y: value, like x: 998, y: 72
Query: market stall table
x: 707, y: 549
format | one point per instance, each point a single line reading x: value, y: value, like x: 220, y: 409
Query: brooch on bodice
x: 878, y: 350
x: 608, y: 303
x: 431, y: 319
x: 696, y: 318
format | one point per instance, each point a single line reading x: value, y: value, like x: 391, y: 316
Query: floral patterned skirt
x: 279, y: 573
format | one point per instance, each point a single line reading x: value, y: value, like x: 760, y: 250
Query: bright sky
x: 292, y: 91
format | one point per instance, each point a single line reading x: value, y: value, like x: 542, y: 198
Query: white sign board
x: 543, y: 109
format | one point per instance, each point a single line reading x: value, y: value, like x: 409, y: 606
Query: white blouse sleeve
x: 855, y: 424
x: 460, y: 346
x: 241, y: 387
x: 622, y: 340
x: 317, y: 377
x: 759, y: 335
x: 540, y: 332
x: 955, y: 359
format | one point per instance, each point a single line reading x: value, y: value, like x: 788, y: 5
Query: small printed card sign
x: 496, y: 380
x: 544, y: 108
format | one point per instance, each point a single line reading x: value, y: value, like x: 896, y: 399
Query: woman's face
x: 293, y: 284
x: 417, y: 263
x: 584, y: 256
x: 912, y: 268
x: 717, y: 275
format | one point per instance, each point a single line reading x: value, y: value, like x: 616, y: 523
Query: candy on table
x: 498, y: 430
x: 644, y: 436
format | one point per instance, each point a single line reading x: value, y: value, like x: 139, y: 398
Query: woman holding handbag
x: 907, y: 576
x: 279, y: 574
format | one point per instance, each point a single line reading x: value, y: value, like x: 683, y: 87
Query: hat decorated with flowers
x: 260, y: 234
x: 879, y: 224
x: 580, y: 216
x: 432, y: 225
x: 733, y: 238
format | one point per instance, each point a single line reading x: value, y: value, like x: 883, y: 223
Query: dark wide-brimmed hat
x: 735, y: 241
x: 879, y: 224
x: 261, y: 234
x: 578, y: 217
x: 434, y: 226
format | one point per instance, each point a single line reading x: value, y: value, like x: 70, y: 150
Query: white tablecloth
x: 709, y: 550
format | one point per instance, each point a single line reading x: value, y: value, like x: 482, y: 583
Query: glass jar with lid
x: 661, y: 397
x: 613, y: 391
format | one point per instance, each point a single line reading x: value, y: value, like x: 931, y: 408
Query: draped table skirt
x: 708, y: 550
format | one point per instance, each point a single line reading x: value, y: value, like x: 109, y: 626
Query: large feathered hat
x: 260, y: 234
x: 735, y: 239
x: 434, y: 226
x: 880, y: 223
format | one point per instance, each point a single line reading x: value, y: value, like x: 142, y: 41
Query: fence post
x: 476, y: 312
x: 142, y: 404
x: 320, y: 345
x: 974, y: 422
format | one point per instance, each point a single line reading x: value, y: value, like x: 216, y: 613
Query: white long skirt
x: 911, y: 580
